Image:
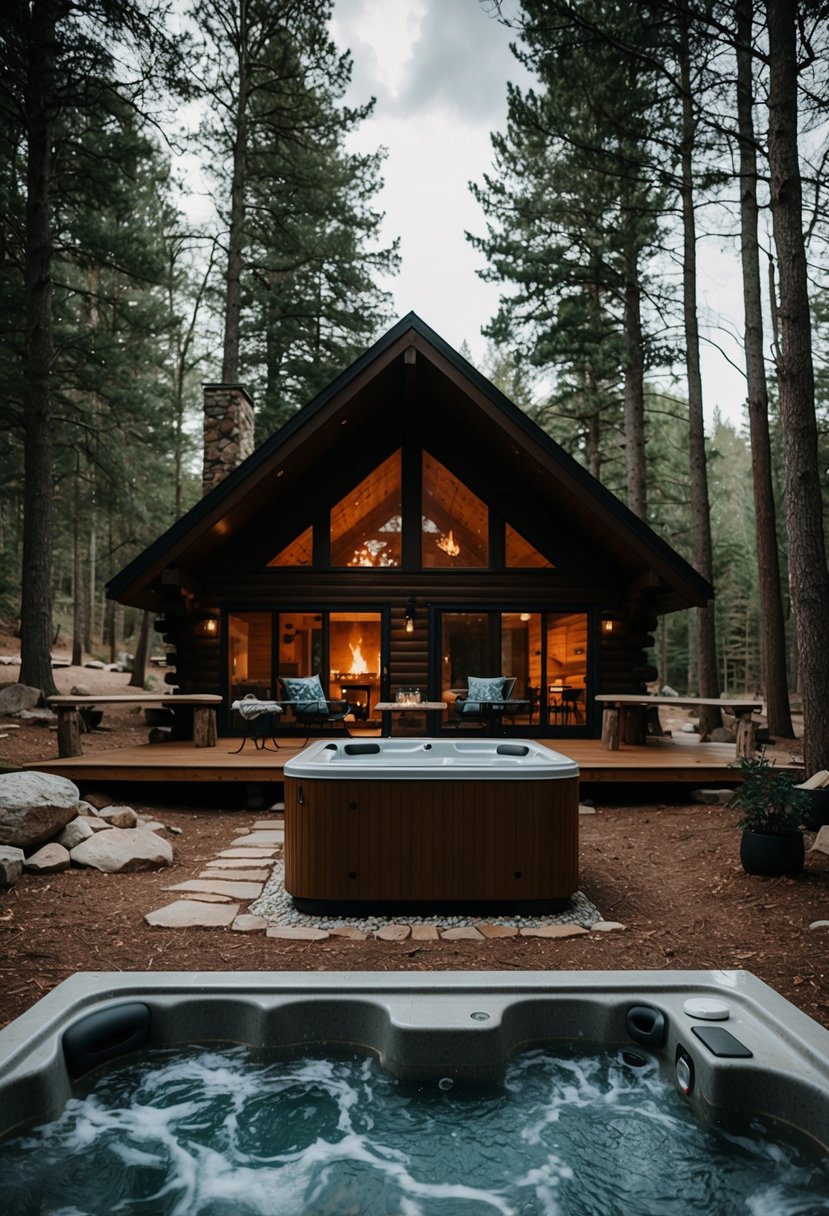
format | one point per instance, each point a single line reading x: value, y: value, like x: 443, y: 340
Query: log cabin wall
x: 278, y: 534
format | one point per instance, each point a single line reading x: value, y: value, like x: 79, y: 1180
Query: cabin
x: 408, y: 529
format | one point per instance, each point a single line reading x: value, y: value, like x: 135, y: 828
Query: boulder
x: 80, y: 690
x: 120, y: 850
x: 18, y: 696
x: 76, y: 831
x: 11, y: 865
x: 50, y: 859
x: 712, y: 797
x: 34, y: 807
x: 95, y: 665
x: 118, y: 816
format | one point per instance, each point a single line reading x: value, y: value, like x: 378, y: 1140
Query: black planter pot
x: 771, y: 856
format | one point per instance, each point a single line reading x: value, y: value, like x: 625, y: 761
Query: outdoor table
x: 406, y: 707
x: 203, y: 706
x: 615, y: 704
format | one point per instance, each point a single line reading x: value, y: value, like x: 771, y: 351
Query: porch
x: 681, y: 760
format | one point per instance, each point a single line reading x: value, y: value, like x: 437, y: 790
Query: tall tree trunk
x: 775, y: 682
x: 700, y: 512
x: 808, y: 575
x: 233, y: 296
x: 36, y: 593
x: 138, y: 679
x: 634, y: 391
x: 77, y: 585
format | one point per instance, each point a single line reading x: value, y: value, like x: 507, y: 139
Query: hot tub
x: 697, y: 1055
x: 431, y: 825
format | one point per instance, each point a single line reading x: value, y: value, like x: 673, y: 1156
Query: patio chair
x: 476, y: 704
x: 569, y: 706
x: 309, y: 704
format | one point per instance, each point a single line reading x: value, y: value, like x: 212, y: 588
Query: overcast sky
x: 439, y: 69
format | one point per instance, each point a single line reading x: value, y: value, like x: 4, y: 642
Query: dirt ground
x: 668, y: 870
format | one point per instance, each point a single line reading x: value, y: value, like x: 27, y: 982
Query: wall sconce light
x: 610, y: 624
x: 208, y: 627
x: 409, y: 614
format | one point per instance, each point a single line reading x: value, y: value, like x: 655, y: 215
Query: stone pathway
x: 245, y: 880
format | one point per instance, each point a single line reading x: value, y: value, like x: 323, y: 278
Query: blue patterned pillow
x: 307, y: 690
x: 485, y: 688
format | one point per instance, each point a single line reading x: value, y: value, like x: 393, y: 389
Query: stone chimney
x: 228, y: 431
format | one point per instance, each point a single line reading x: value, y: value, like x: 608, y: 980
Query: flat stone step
x: 218, y: 886
x: 190, y: 914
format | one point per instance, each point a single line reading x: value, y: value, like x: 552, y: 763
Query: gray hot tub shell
x: 463, y: 1024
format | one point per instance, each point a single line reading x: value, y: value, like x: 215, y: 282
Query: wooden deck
x: 664, y: 761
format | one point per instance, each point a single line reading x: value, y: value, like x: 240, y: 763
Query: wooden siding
x: 431, y: 841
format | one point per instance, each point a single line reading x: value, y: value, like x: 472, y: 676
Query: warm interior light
x: 208, y: 627
x: 607, y: 626
x: 448, y: 544
x: 358, y: 664
x: 525, y: 616
x: 409, y: 625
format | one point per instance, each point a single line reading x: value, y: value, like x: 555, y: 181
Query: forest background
x: 648, y: 126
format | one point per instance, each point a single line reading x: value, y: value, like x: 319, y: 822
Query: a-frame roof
x: 361, y: 397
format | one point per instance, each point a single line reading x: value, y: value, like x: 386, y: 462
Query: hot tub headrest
x: 512, y: 749
x: 362, y: 749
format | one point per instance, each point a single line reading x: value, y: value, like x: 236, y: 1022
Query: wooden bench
x: 203, y: 706
x: 616, y: 704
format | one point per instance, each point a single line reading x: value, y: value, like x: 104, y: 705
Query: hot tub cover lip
x: 431, y: 760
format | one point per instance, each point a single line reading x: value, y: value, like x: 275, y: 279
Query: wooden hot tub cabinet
x: 489, y: 845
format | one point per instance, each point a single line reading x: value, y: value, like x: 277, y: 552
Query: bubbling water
x: 205, y: 1132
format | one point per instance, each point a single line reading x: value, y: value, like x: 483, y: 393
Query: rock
x: 122, y: 850
x: 11, y: 865
x: 606, y: 926
x: 95, y: 665
x: 462, y: 933
x: 393, y: 933
x: 76, y: 831
x: 38, y: 717
x: 712, y: 797
x: 425, y: 933
x: 721, y: 734
x: 96, y: 800
x: 18, y: 696
x: 495, y: 931
x: 688, y: 728
x: 50, y: 859
x: 246, y: 923
x: 80, y: 690
x: 188, y: 914
x: 86, y: 808
x: 34, y: 807
x: 352, y: 933
x: 298, y: 934
x: 554, y: 931
x: 237, y: 875
x: 217, y: 886
x: 118, y: 816
x: 97, y: 825
x: 584, y: 809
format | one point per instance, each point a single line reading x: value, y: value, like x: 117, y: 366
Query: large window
x: 299, y: 552
x: 454, y: 521
x: 543, y: 653
x: 366, y: 524
x: 249, y: 654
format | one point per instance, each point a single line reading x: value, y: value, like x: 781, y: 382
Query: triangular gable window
x: 299, y: 552
x: 454, y: 521
x: 520, y: 555
x: 366, y: 525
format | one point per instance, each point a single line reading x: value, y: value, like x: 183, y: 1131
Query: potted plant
x: 773, y: 807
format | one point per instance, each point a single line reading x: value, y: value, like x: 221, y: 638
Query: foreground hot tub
x: 724, y: 1048
x: 431, y: 825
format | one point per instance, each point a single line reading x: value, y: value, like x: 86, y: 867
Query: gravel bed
x: 276, y: 907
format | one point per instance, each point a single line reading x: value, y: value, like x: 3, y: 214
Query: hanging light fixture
x: 409, y: 613
x: 448, y: 544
